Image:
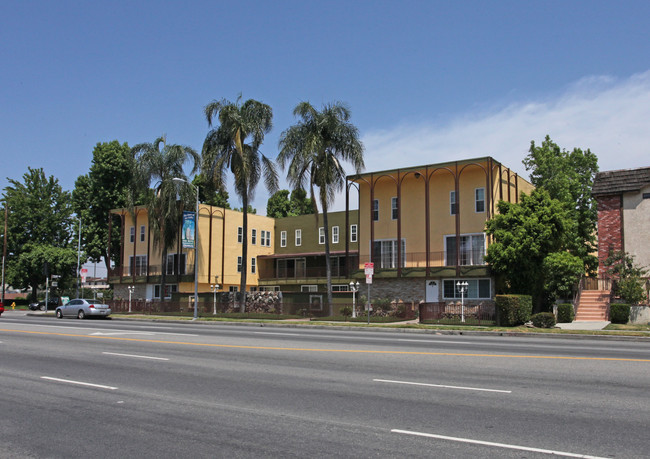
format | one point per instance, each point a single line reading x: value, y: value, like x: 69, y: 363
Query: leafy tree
x: 158, y: 164
x: 561, y: 272
x: 280, y: 205
x: 569, y: 177
x: 314, y: 150
x: 524, y: 235
x: 234, y: 145
x: 628, y: 276
x: 106, y: 186
x: 39, y: 229
x: 300, y: 203
x: 208, y: 194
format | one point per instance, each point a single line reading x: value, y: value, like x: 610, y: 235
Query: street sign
x: 369, y: 269
x: 368, y: 278
x: 84, y: 273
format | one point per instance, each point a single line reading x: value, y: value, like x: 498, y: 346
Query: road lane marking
x: 79, y: 383
x: 278, y: 333
x: 135, y: 356
x: 497, y: 445
x: 443, y: 386
x: 348, y: 351
x: 112, y: 330
x: 436, y: 341
x: 123, y: 333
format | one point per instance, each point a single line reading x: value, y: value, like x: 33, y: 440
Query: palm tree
x: 157, y: 164
x: 314, y: 149
x: 225, y: 148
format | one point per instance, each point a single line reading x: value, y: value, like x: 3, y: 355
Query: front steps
x: 593, y: 305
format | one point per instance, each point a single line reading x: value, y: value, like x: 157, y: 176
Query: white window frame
x: 298, y: 237
x: 470, y: 250
x: 471, y: 289
x: 240, y: 234
x: 375, y: 210
x: 321, y: 235
x: 478, y: 201
x: 268, y: 239
x: 340, y: 288
x: 138, y: 265
x: 354, y: 235
x: 254, y: 236
x: 389, y: 260
x: 253, y: 265
x: 335, y: 234
x: 393, y: 208
x: 132, y: 234
x: 233, y: 289
x: 142, y: 233
x: 309, y: 288
x: 239, y: 264
x: 283, y: 238
x: 172, y: 288
x: 453, y: 203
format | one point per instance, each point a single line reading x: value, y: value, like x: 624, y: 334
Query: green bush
x: 346, y: 311
x: 543, y: 320
x: 619, y: 313
x: 565, y: 313
x: 513, y: 310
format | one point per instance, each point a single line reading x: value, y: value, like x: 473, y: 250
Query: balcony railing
x: 150, y: 270
x: 436, y: 259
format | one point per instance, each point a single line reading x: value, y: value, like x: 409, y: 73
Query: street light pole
x: 78, y: 258
x: 131, y: 290
x: 355, y: 288
x: 215, y: 289
x: 196, y: 248
x: 462, y: 289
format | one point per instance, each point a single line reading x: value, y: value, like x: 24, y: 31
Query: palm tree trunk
x: 328, y: 262
x: 163, y: 273
x: 244, y: 254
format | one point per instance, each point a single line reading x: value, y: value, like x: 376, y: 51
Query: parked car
x: 52, y: 304
x: 2, y: 308
x: 81, y: 308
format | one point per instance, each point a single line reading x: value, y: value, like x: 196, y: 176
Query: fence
x: 453, y: 313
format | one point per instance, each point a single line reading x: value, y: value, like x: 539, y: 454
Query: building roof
x: 621, y: 181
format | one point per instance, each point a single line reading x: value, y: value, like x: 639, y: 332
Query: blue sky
x: 427, y: 81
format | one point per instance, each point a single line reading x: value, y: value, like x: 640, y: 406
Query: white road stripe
x: 112, y: 330
x: 497, y: 445
x: 437, y: 341
x: 135, y: 356
x: 80, y: 383
x: 443, y: 386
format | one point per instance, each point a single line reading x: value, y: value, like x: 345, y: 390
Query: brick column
x: 610, y: 228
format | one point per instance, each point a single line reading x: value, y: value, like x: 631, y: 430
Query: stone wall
x: 404, y: 289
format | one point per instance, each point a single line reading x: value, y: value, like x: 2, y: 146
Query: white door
x: 432, y: 291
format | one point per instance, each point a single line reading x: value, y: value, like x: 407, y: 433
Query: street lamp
x: 215, y: 289
x: 462, y: 289
x: 196, y: 248
x: 78, y: 257
x: 354, y: 288
x: 131, y: 290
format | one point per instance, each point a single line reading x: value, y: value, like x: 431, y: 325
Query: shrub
x: 513, y: 310
x: 346, y: 311
x: 565, y: 313
x: 543, y: 320
x: 619, y: 313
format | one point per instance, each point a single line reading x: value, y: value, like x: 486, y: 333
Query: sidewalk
x: 584, y: 325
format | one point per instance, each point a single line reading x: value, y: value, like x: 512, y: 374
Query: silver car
x: 81, y: 309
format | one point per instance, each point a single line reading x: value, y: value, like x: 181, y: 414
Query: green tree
x: 628, y: 282
x: 208, y: 194
x: 281, y: 205
x: 106, y: 186
x: 158, y: 163
x: 300, y: 203
x: 561, y: 271
x: 234, y: 145
x: 569, y: 177
x: 39, y: 229
x: 524, y: 234
x: 314, y: 150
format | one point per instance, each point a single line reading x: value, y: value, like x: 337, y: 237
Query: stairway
x: 593, y: 305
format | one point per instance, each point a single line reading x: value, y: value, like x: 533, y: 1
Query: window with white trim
x: 142, y: 233
x: 309, y: 288
x: 239, y: 259
x: 176, y: 263
x: 477, y: 289
x: 233, y: 288
x: 268, y: 239
x: 393, y: 208
x: 283, y: 238
x: 254, y: 236
x: 240, y: 234
x: 479, y: 200
x: 269, y: 288
x: 253, y: 265
x: 385, y: 253
x: 169, y: 289
x: 472, y: 249
x: 335, y: 234
x: 375, y: 210
x: 353, y: 233
x: 132, y: 234
x: 298, y: 237
x: 321, y: 235
x: 341, y: 288
x: 453, y: 204
x: 138, y: 266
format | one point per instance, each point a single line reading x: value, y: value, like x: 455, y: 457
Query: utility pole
x: 4, y: 253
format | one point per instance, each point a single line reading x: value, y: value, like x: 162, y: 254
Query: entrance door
x: 432, y: 291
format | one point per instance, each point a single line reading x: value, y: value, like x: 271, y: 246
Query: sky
x: 426, y: 81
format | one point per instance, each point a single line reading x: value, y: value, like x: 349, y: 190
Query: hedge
x: 619, y: 313
x: 543, y: 320
x: 565, y: 313
x: 513, y: 310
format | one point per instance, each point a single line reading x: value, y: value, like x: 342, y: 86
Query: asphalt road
x: 71, y: 388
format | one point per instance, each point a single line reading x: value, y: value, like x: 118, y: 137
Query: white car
x: 81, y: 309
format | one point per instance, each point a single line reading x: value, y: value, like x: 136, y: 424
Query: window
x: 253, y: 289
x: 239, y: 259
x: 265, y: 238
x: 353, y: 233
x: 283, y: 238
x: 476, y: 289
x: 268, y: 239
x: 253, y: 236
x: 335, y: 234
x: 169, y: 289
x: 132, y: 239
x: 253, y: 265
x: 291, y: 267
x: 298, y: 237
x: 472, y: 249
x: 375, y: 210
x: 175, y: 263
x: 138, y: 267
x: 233, y: 288
x: 142, y: 233
x: 385, y: 253
x: 309, y: 288
x: 393, y: 208
x: 321, y: 235
x: 479, y: 200
x: 272, y: 288
x: 240, y: 234
x: 341, y: 288
x: 453, y: 205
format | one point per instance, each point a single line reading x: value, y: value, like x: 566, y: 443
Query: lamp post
x: 131, y: 290
x: 354, y: 288
x: 462, y: 289
x: 196, y: 248
x: 78, y: 257
x: 215, y: 289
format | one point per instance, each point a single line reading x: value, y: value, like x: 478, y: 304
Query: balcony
x: 436, y: 259
x: 148, y: 273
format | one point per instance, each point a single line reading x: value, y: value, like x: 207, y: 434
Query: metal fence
x: 455, y: 313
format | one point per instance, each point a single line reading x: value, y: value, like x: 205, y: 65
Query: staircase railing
x: 591, y: 283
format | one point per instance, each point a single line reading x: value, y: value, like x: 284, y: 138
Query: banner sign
x: 188, y: 230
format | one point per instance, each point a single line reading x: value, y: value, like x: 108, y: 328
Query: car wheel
x: 59, y: 314
x: 81, y: 315
x: 42, y: 308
